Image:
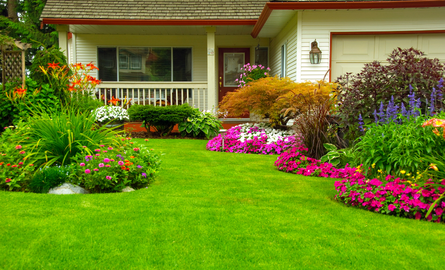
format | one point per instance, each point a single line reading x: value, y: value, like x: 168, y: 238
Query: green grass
x: 209, y: 210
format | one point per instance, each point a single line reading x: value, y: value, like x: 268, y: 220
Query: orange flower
x: 114, y: 101
x: 91, y: 66
x: 71, y: 88
x: 20, y: 91
x: 123, y: 167
x: 53, y: 65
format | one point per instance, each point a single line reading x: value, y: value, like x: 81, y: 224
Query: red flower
x: 9, y: 164
x: 53, y: 65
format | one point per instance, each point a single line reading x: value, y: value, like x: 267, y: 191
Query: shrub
x: 57, y: 137
x: 200, y: 124
x: 362, y: 94
x: 162, y: 119
x: 268, y: 97
x: 112, y: 169
x: 41, y: 59
x: 48, y: 178
x: 258, y: 139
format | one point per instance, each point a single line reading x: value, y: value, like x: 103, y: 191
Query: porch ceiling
x: 159, y: 29
x: 276, y: 22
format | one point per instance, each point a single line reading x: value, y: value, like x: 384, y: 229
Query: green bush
x: 200, y: 124
x: 57, y: 137
x: 162, y: 119
x: 48, y: 178
x: 17, y: 107
x: 41, y: 59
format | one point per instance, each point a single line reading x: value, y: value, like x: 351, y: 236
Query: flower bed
x: 254, y: 138
x: 393, y: 196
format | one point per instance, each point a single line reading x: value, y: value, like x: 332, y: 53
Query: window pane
x: 145, y: 64
x: 107, y: 64
x: 262, y: 57
x: 182, y: 64
x: 233, y: 62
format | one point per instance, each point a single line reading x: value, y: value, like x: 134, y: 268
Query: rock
x: 127, y: 189
x: 68, y: 188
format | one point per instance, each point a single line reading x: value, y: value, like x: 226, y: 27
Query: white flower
x: 109, y: 113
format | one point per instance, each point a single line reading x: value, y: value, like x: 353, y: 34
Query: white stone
x: 68, y: 188
x: 127, y: 189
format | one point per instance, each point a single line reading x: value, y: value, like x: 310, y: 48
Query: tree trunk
x: 12, y: 10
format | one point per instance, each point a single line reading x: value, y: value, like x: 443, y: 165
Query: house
x: 173, y: 51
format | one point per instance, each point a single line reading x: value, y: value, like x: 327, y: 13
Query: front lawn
x: 211, y: 210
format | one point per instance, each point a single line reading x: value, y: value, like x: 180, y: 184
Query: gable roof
x: 154, y: 9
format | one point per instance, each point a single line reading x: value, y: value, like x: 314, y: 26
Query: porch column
x: 63, y: 38
x: 211, y: 68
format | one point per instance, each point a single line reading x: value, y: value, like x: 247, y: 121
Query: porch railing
x: 157, y: 94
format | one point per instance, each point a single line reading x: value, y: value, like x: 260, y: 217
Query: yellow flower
x: 402, y: 172
x: 373, y: 165
x: 380, y: 171
x: 408, y: 174
x: 434, y: 167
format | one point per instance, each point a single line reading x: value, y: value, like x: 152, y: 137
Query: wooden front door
x: 230, y: 61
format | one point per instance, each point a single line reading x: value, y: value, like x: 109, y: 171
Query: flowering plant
x: 80, y: 80
x: 200, y: 124
x: 112, y: 169
x: 252, y: 73
x: 109, y: 113
x: 256, y: 138
x: 16, y: 167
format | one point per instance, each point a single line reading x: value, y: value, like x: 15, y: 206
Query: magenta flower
x: 106, y: 160
x: 391, y: 207
x: 87, y: 171
x: 120, y: 162
x: 110, y: 148
x: 82, y: 164
x: 96, y: 169
x: 97, y: 155
x: 108, y: 177
x: 108, y: 166
x: 101, y: 165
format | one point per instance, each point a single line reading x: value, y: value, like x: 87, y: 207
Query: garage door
x: 351, y: 52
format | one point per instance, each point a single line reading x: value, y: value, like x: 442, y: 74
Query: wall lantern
x: 315, y: 53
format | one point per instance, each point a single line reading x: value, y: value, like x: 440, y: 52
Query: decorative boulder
x: 68, y: 188
x: 127, y: 189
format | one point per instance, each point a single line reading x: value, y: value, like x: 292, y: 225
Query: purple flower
x: 144, y: 175
x: 139, y: 166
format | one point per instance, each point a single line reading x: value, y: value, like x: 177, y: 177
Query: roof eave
x: 146, y: 22
x: 269, y: 7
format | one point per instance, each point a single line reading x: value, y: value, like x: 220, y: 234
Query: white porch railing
x: 157, y: 94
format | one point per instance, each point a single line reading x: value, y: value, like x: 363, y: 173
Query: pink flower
x: 120, y: 163
x: 101, y: 165
x: 8, y: 180
x: 108, y: 166
x: 101, y: 145
x: 439, y: 211
x: 82, y: 164
x: 391, y: 207
x: 18, y: 147
x: 87, y: 171
x: 22, y: 152
x: 108, y: 177
x: 110, y: 148
x: 106, y: 160
x: 96, y: 170
x: 136, y: 149
x: 97, y: 150
x: 97, y: 155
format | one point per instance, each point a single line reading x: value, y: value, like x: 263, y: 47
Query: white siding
x: 319, y: 25
x: 287, y: 36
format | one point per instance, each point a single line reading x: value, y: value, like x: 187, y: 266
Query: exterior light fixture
x: 315, y: 53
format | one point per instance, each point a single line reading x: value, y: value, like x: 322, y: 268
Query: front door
x: 230, y: 63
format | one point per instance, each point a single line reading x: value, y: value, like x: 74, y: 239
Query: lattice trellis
x: 13, y: 63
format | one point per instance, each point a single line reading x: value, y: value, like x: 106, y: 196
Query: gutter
x: 270, y: 6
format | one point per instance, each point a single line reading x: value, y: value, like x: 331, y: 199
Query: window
x: 161, y: 64
x: 283, y: 61
x: 262, y: 56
